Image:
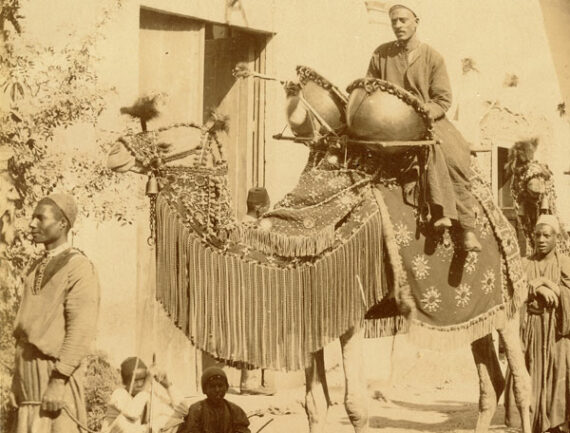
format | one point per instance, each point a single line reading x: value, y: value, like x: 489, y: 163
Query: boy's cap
x: 210, y: 373
x: 128, y: 367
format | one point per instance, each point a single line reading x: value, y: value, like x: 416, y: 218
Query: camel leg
x: 491, y: 381
x: 521, y: 378
x: 317, y: 399
x: 355, y: 394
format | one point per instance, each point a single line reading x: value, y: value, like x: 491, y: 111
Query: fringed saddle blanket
x: 458, y: 297
x: 346, y: 241
x: 242, y: 304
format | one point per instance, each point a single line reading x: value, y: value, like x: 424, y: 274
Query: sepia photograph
x: 321, y: 216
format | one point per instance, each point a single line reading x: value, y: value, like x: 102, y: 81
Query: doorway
x: 242, y: 100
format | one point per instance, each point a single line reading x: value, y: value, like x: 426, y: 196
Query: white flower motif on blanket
x: 471, y: 262
x: 431, y: 299
x: 509, y: 245
x: 348, y: 199
x: 402, y: 234
x: 504, y: 281
x: 420, y: 267
x: 462, y: 295
x: 488, y: 281
x: 481, y: 223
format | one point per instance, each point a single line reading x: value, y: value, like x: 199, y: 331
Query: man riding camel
x: 419, y: 69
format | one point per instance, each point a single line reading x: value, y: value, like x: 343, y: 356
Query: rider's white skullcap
x: 411, y: 5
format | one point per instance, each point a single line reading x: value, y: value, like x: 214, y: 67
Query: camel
x: 205, y: 232
x: 532, y: 187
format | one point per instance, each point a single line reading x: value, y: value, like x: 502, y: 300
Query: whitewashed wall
x: 336, y: 39
x: 507, y: 37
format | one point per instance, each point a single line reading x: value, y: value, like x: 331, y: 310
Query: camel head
x: 531, y: 180
x: 520, y: 155
x: 532, y: 187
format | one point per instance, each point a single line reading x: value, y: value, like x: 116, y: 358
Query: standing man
x: 546, y: 333
x: 418, y: 68
x: 256, y: 381
x: 55, y: 326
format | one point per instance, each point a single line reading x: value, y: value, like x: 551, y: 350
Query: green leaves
x: 49, y: 90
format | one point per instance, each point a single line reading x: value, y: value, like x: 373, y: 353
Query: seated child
x: 215, y: 414
x: 128, y: 408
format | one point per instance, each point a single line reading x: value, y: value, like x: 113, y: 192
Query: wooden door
x: 237, y: 99
x: 170, y: 53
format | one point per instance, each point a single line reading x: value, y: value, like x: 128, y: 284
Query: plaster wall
x: 336, y: 38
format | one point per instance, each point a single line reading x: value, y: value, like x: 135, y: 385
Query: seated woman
x: 546, y: 332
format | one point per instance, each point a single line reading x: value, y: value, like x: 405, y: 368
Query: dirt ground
x: 410, y: 410
x: 426, y: 392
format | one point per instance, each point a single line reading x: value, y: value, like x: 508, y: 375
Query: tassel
x: 271, y: 242
x: 456, y: 336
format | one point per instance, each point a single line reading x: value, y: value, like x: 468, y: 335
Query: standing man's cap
x: 411, y: 5
x: 549, y: 220
x: 257, y: 196
x: 66, y: 204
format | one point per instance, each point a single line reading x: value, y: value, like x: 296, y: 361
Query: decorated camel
x: 532, y: 187
x: 348, y: 253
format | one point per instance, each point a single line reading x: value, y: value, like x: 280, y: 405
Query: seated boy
x: 128, y: 408
x: 215, y: 414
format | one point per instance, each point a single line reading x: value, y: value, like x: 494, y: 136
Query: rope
x: 316, y: 114
x: 265, y: 425
x: 66, y: 409
x: 423, y: 205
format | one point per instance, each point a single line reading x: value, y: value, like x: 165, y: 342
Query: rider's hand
x: 53, y: 398
x: 548, y: 295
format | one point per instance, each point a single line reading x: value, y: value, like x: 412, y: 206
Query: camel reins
x: 66, y: 409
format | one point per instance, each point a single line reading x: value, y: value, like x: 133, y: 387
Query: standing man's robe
x: 546, y: 341
x: 54, y: 329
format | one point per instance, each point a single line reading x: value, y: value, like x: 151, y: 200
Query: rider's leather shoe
x: 470, y: 242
